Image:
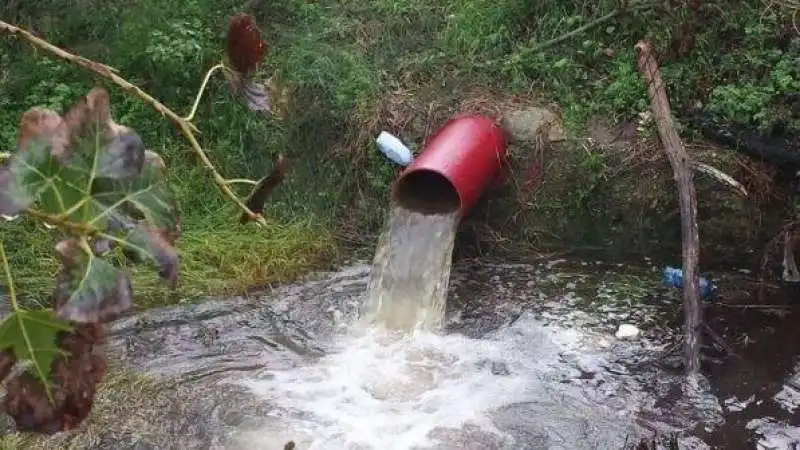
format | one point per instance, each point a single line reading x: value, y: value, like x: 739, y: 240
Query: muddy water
x: 411, y: 271
x: 528, y: 361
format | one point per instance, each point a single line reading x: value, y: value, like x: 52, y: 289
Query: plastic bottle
x: 394, y: 149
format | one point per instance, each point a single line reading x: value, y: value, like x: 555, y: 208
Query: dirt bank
x: 604, y: 188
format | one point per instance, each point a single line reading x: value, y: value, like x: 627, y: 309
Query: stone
x: 627, y: 331
x: 527, y: 125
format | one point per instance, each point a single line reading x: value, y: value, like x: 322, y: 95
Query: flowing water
x: 527, y: 359
x: 511, y: 356
x: 411, y: 271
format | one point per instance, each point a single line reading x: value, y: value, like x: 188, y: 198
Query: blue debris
x: 674, y: 278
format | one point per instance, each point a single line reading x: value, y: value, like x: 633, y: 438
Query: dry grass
x: 123, y: 404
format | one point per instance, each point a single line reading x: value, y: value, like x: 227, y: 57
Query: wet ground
x: 529, y: 361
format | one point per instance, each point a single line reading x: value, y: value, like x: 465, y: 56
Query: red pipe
x: 457, y: 165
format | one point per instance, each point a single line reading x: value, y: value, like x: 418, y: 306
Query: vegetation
x: 337, y: 73
x: 334, y: 66
x: 91, y: 179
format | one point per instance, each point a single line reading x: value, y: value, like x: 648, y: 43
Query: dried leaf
x: 154, y: 160
x: 31, y: 336
x: 149, y: 243
x: 88, y: 117
x: 254, y: 94
x: 122, y: 157
x: 89, y: 289
x: 75, y: 380
x: 37, y: 124
x: 245, y: 47
x: 7, y: 361
x: 261, y: 192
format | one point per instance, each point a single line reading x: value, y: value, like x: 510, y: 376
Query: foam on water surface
x: 381, y: 389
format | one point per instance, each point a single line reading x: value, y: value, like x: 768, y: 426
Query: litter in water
x: 674, y: 278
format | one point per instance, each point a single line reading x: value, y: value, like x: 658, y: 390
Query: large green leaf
x: 144, y: 197
x: 31, y: 336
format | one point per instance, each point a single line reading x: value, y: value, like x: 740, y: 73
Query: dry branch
x: 687, y: 199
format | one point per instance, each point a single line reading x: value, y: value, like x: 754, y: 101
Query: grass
x: 337, y: 69
x: 215, y: 260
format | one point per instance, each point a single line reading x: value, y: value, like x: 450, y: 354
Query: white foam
x: 390, y: 391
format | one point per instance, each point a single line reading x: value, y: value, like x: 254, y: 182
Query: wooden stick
x: 687, y: 199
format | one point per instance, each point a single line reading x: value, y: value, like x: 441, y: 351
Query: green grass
x: 215, y: 260
x: 335, y: 63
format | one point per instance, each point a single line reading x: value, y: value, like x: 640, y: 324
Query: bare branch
x: 687, y: 199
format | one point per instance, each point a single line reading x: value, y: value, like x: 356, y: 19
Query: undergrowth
x: 332, y: 63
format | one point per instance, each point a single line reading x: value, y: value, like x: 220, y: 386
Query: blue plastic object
x: 673, y: 277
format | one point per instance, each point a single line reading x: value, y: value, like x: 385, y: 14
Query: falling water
x: 411, y: 271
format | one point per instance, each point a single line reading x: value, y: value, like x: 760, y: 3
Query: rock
x: 627, y: 331
x: 526, y: 125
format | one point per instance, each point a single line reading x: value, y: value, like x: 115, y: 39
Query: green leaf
x: 147, y: 196
x: 89, y: 289
x: 31, y: 336
x: 26, y: 176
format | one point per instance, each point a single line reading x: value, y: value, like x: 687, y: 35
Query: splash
x: 411, y: 271
x: 392, y: 390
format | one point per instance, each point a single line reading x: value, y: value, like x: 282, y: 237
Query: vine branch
x: 186, y: 127
x: 202, y: 90
x: 583, y: 28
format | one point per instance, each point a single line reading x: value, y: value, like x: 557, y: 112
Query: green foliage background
x: 338, y: 60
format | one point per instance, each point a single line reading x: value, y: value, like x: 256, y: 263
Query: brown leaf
x: 68, y: 252
x: 85, y: 116
x: 154, y: 159
x: 88, y: 288
x: 260, y: 193
x: 76, y: 376
x: 254, y: 94
x: 245, y: 47
x: 155, y: 245
x: 37, y: 124
x: 90, y: 111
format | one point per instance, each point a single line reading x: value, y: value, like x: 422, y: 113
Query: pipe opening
x: 426, y: 192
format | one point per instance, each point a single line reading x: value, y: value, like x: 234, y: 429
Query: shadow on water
x: 529, y: 360
x: 760, y: 386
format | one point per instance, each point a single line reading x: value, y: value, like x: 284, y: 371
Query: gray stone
x: 530, y: 124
